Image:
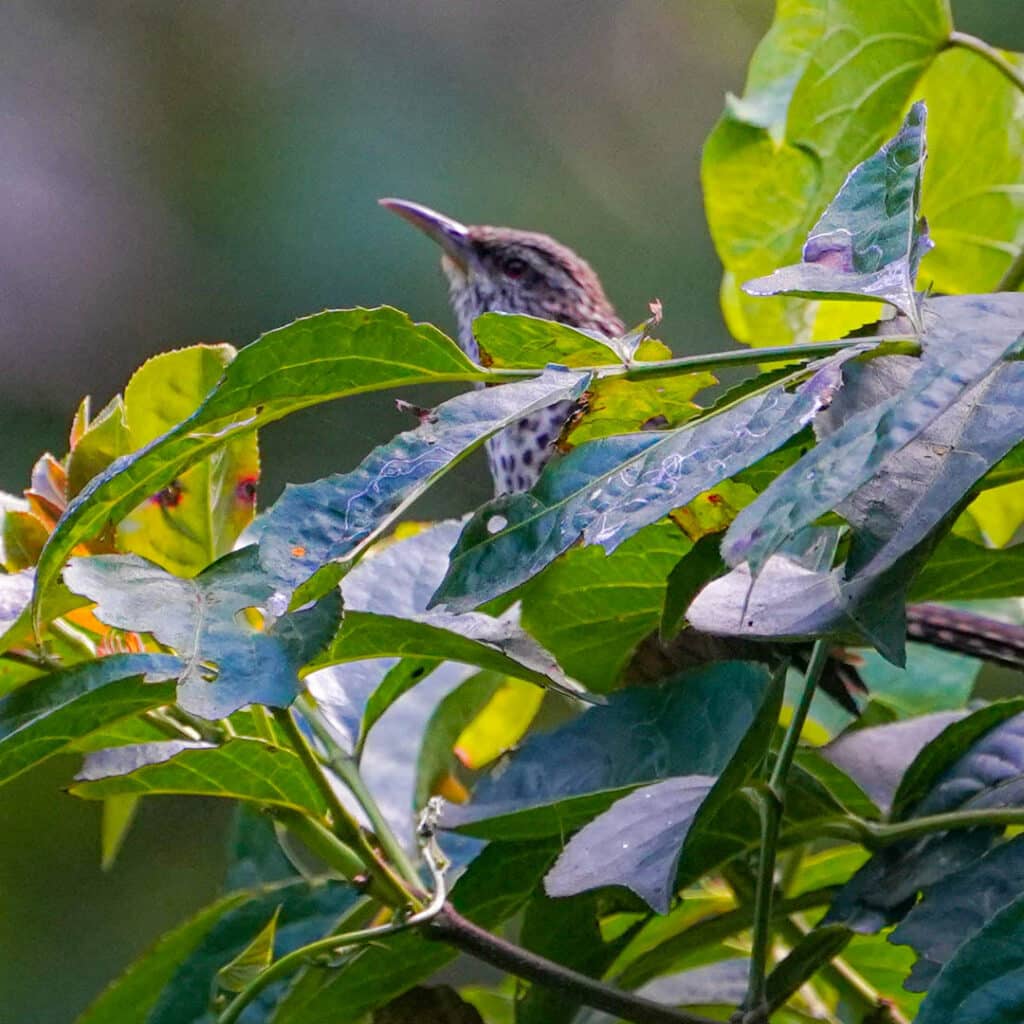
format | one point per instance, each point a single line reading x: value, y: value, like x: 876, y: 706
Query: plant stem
x: 771, y: 818
x: 1014, y: 276
x: 882, y: 834
x: 348, y: 771
x: 345, y: 826
x: 738, y: 357
x: 451, y: 927
x: 989, y: 53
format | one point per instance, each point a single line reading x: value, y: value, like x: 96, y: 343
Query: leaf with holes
x: 230, y: 663
x: 607, y: 490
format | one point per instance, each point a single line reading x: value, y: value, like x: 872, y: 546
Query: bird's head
x: 509, y: 271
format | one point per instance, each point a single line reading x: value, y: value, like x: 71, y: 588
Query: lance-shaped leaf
x: 47, y: 717
x: 241, y: 769
x: 985, y: 979
x: 607, y: 490
x: 229, y: 662
x: 897, y: 515
x: 966, y: 339
x: 313, y: 360
x: 869, y: 241
x: 639, y: 840
x: 514, y: 341
x: 561, y: 779
x: 333, y: 518
x: 172, y: 983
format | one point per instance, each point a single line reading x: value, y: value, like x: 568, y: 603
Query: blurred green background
x: 182, y: 171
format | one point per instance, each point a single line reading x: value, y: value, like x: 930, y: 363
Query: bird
x: 507, y: 270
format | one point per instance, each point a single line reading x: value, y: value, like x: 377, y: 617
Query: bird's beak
x: 452, y: 236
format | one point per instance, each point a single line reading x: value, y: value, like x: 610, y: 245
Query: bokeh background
x: 208, y: 169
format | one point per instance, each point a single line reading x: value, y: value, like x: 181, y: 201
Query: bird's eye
x: 514, y: 267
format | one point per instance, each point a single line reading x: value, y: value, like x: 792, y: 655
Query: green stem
x: 882, y: 833
x: 989, y: 53
x: 771, y: 804
x: 345, y: 826
x: 263, y: 723
x: 348, y: 771
x: 1014, y: 276
x: 333, y: 943
x: 739, y: 357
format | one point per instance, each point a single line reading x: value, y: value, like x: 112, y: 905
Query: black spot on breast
x: 542, y: 441
x: 527, y: 457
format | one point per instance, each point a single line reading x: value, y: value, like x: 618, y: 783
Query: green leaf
x: 957, y: 907
x: 689, y: 575
x: 173, y: 982
x: 198, y: 517
x: 897, y: 515
x: 591, y: 609
x: 869, y: 241
x: 473, y: 639
x: 826, y: 86
x: 316, y: 359
x: 968, y: 340
x: 639, y: 840
x: 816, y: 949
x: 399, y: 679
x: 985, y: 979
x: 23, y: 537
x: 229, y: 662
x: 607, y: 490
x: 972, y: 192
x: 514, y: 341
x: 241, y: 769
x: 118, y: 815
x: 942, y: 750
x: 105, y: 439
x: 251, y: 961
x: 559, y: 780
x: 337, y: 517
x: 44, y: 718
x: 990, y: 774
x: 960, y: 570
x: 493, y: 888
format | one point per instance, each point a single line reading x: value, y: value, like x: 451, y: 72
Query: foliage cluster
x: 671, y: 852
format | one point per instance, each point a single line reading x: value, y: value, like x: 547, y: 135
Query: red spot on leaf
x: 298, y: 551
x: 170, y: 497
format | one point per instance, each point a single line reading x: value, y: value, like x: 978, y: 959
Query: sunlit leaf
x: 316, y: 359
x: 196, y: 518
x: 869, y: 242
x: 247, y: 965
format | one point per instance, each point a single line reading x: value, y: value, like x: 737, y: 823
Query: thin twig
x: 451, y: 927
x: 1013, y: 278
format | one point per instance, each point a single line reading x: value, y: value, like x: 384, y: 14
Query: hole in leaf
x: 496, y: 524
